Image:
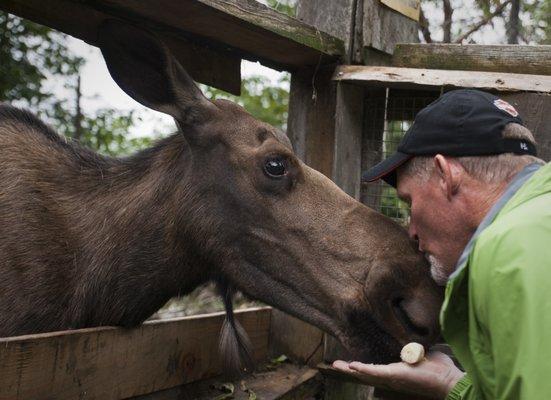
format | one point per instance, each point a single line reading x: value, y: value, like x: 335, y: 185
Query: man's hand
x: 434, y: 377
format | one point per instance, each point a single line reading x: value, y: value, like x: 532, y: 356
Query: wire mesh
x: 389, y: 114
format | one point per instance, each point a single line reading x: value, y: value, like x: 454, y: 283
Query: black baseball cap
x: 461, y: 122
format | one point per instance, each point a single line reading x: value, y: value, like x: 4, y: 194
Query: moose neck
x: 139, y: 236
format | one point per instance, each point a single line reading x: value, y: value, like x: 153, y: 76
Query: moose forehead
x: 250, y: 126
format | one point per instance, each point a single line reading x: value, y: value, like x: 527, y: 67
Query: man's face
x: 437, y: 222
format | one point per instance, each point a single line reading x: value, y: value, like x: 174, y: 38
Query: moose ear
x: 146, y: 70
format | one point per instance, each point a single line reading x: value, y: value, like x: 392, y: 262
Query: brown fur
x: 87, y: 240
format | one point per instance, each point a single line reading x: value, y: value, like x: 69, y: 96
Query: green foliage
x: 265, y: 102
x: 30, y: 53
x: 284, y: 6
x: 539, y: 27
x: 106, y: 131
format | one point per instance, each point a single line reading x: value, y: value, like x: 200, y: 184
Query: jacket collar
x: 513, y: 187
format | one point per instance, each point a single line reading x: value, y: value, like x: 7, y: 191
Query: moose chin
x: 89, y: 240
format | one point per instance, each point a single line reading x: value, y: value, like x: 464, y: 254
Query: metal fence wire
x: 388, y: 115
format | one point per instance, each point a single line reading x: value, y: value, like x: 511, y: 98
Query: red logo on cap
x: 503, y: 105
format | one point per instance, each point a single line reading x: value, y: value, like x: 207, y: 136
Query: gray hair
x: 493, y: 169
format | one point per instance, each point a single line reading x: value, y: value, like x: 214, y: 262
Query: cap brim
x: 386, y: 169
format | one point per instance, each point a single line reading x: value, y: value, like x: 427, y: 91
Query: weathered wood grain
x: 535, y: 109
x: 335, y: 17
x: 474, y: 57
x: 311, y: 125
x: 286, y: 382
x: 405, y: 78
x: 113, y: 363
x: 383, y: 28
x: 348, y: 138
x: 247, y: 27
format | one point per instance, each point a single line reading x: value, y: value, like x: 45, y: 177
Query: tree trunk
x: 447, y: 24
x: 77, y: 134
x: 4, y: 51
x: 513, y: 25
x: 424, y: 27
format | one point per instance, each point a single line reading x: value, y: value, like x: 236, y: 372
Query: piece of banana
x: 412, y: 353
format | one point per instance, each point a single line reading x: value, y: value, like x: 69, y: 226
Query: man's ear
x: 449, y: 175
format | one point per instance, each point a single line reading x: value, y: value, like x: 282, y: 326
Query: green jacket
x: 496, y: 314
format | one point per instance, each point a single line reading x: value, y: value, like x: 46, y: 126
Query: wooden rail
x: 209, y: 37
x: 416, y: 78
x: 113, y: 363
x: 475, y: 57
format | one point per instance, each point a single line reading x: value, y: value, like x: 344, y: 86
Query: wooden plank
x: 475, y: 57
x: 287, y: 382
x: 112, y: 363
x: 215, y: 67
x: 336, y: 17
x: 311, y: 125
x: 296, y: 339
x: 348, y: 139
x: 535, y: 109
x: 249, y: 28
x: 406, y: 78
x: 409, y: 8
x: 383, y: 27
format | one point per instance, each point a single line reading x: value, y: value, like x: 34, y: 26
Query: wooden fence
x: 329, y: 115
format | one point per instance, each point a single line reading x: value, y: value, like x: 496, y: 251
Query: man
x: 481, y: 212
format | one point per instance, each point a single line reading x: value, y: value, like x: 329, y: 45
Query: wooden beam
x: 348, y: 138
x: 535, y: 108
x: 337, y: 17
x: 383, y: 27
x: 406, y: 78
x: 311, y: 125
x: 474, y: 57
x: 245, y: 28
x: 211, y: 66
x: 114, y: 363
x: 286, y: 382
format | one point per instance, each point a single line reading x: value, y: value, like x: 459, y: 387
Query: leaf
x: 227, y: 387
x: 279, y: 360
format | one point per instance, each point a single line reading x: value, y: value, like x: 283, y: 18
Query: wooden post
x: 326, y: 123
x: 535, y: 108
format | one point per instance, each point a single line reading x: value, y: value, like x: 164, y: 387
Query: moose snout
x: 418, y: 321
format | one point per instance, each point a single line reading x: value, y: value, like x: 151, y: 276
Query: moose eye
x: 275, y: 167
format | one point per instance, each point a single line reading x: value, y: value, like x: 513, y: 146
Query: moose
x: 88, y: 240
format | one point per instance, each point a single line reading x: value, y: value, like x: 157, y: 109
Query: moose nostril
x: 404, y: 318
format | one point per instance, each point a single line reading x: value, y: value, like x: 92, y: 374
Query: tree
x: 30, y: 53
x: 284, y: 6
x: 266, y: 102
x: 460, y: 21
